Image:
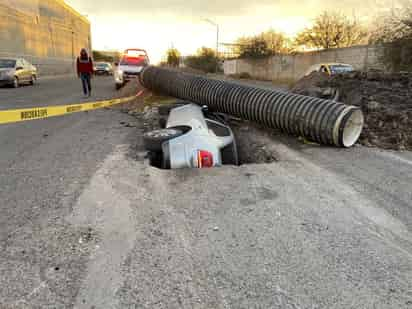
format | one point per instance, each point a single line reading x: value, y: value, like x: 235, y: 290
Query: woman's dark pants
x: 87, y: 86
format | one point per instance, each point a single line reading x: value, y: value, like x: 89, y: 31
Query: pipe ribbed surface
x: 323, y: 121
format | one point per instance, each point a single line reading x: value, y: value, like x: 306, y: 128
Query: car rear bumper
x: 130, y: 76
x: 102, y: 72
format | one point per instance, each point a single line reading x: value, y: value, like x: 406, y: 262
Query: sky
x: 156, y: 25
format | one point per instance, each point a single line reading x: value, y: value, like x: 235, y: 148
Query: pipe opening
x: 352, y: 128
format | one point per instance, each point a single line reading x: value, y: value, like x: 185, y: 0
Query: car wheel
x: 16, y: 83
x: 33, y: 80
x: 154, y: 140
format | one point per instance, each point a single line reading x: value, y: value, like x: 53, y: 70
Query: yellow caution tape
x: 17, y: 115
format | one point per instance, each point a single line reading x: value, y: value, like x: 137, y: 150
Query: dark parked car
x: 16, y: 71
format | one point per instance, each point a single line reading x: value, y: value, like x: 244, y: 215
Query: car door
x: 324, y: 69
x: 27, y: 70
x: 20, y: 71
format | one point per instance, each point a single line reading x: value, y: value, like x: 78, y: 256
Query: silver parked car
x: 193, y: 137
x: 16, y: 71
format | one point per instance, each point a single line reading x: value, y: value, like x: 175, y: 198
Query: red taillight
x: 133, y: 60
x: 204, y: 159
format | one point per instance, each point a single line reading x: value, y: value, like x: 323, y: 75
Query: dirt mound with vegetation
x: 385, y: 99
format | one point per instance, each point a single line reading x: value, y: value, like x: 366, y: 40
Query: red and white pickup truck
x: 131, y: 64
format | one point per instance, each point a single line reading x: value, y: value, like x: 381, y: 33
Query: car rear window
x: 135, y: 53
x: 7, y: 63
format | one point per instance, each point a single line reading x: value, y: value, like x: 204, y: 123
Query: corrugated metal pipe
x: 322, y: 121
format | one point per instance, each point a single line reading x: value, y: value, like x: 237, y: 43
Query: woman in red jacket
x: 85, y: 71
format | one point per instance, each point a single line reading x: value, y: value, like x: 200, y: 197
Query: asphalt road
x: 53, y: 91
x: 86, y: 223
x: 45, y: 165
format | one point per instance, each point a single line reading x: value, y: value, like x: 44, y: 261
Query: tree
x: 256, y: 48
x: 394, y: 32
x: 173, y: 57
x: 277, y: 42
x: 265, y: 44
x: 332, y: 30
x: 205, y: 60
x: 104, y: 57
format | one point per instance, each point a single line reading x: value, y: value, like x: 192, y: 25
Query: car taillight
x: 204, y: 159
x: 133, y: 60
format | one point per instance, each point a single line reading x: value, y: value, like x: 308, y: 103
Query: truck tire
x: 154, y: 140
x: 33, y: 80
x: 16, y: 83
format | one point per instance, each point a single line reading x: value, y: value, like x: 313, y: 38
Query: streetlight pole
x: 217, y: 40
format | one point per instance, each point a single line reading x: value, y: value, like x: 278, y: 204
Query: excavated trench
x: 253, y: 144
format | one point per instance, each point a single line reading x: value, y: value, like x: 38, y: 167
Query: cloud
x: 207, y: 8
x: 175, y: 7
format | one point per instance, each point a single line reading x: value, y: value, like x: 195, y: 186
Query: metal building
x: 48, y: 33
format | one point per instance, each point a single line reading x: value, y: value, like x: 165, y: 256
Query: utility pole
x: 217, y: 41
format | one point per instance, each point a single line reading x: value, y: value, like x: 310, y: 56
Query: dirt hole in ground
x: 253, y: 143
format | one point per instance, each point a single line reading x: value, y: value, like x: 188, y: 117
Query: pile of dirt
x: 385, y: 99
x: 311, y: 85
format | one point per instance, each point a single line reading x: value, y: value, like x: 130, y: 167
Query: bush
x: 242, y: 75
x: 258, y: 48
x: 173, y: 57
x: 101, y: 56
x: 394, y: 32
x: 205, y: 60
x: 397, y: 55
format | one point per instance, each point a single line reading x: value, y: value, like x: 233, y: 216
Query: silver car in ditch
x: 193, y: 137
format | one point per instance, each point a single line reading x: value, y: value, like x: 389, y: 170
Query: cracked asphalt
x: 86, y: 223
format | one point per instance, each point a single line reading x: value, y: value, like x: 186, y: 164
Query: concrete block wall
x: 47, y: 33
x: 293, y: 67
